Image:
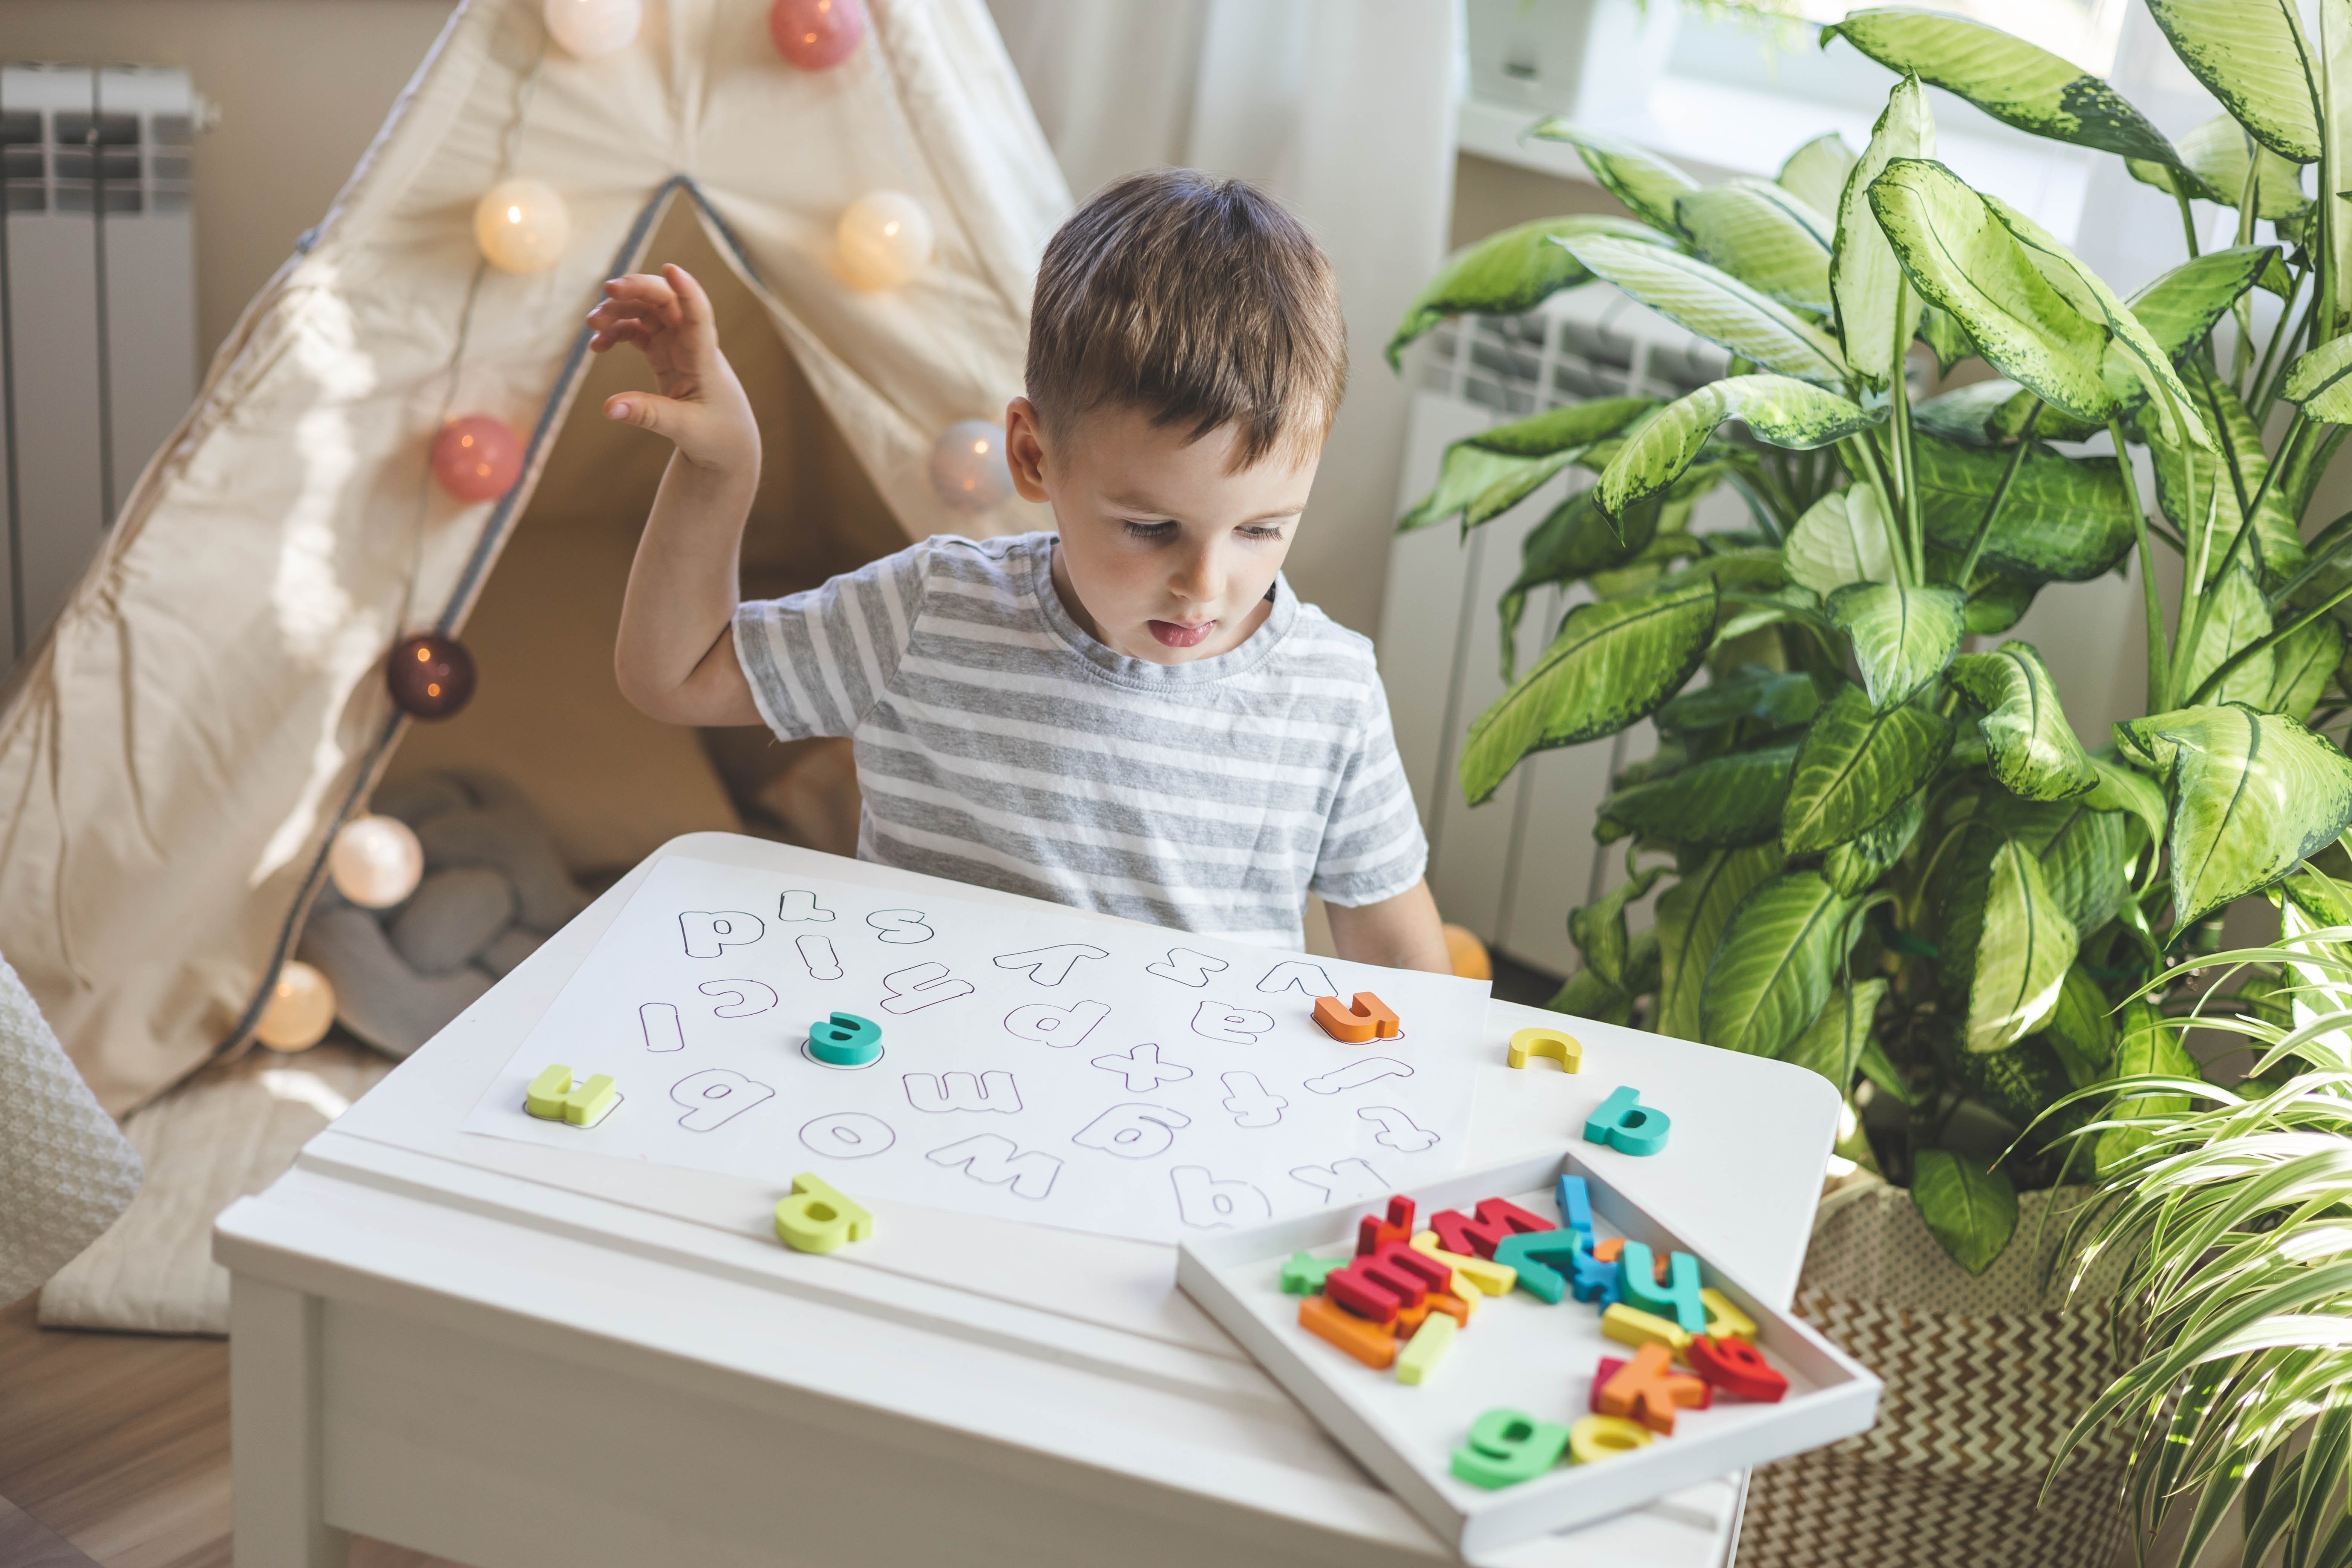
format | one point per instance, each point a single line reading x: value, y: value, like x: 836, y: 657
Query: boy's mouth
x: 1182, y: 634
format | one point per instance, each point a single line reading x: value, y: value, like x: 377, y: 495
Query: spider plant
x: 2235, y: 1207
x: 1881, y: 852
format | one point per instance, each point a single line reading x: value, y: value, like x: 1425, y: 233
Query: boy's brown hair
x: 1197, y: 301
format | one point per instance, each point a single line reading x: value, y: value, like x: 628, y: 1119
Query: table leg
x: 275, y: 1449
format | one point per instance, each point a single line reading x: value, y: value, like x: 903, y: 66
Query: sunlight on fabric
x: 317, y: 621
x: 304, y: 1088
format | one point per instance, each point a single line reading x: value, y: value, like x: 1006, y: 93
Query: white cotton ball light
x: 375, y: 861
x: 969, y: 472
x: 591, y: 29
x: 885, y: 238
x: 301, y: 1011
x: 522, y: 225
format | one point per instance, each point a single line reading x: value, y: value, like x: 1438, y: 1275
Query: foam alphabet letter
x: 1490, y: 1278
x: 553, y: 1097
x: 1368, y: 1018
x: 1627, y: 1125
x: 1506, y: 1448
x: 1575, y: 1201
x: 1060, y: 1027
x: 817, y: 1218
x: 1737, y: 1367
x: 1497, y: 1218
x: 1724, y: 1320
x: 1536, y: 1256
x: 1595, y: 1278
x: 1303, y: 1274
x: 1427, y: 1348
x: 1645, y: 1390
x: 709, y: 932
x: 1132, y: 1131
x: 1558, y: 1043
x: 1368, y: 1343
x: 1632, y: 1326
x: 715, y: 1096
x: 1380, y: 1287
x: 844, y: 1040
x: 1371, y: 1230
x: 1598, y: 1437
x: 1678, y: 1298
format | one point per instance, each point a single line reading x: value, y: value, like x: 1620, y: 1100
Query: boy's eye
x: 1261, y: 531
x: 1148, y: 529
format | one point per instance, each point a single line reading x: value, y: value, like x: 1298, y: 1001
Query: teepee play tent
x: 212, y: 703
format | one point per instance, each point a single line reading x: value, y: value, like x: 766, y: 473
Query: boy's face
x: 1165, y: 553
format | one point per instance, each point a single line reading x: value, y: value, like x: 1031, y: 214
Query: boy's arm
x: 674, y: 656
x: 1403, y: 932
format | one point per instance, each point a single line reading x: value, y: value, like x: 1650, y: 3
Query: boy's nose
x: 1197, y: 577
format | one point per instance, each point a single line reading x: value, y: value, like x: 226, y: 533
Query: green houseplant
x: 1876, y: 853
x: 2231, y: 1205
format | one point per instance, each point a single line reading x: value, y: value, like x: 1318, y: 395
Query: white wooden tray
x: 1518, y: 1352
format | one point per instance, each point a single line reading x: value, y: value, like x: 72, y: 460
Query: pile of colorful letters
x: 1399, y: 1300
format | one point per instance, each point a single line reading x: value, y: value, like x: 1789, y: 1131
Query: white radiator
x: 97, y: 315
x: 1511, y: 869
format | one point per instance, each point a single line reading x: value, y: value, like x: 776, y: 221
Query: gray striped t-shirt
x: 999, y: 744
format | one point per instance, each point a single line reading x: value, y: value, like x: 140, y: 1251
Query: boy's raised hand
x: 701, y: 408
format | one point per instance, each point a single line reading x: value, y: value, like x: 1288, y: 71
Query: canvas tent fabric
x: 176, y: 756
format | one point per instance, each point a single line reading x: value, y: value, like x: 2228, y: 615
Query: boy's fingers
x: 644, y: 293
x: 647, y: 411
x: 694, y: 305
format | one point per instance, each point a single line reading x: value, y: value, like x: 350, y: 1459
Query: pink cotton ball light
x: 478, y: 458
x: 816, y: 34
x: 968, y: 468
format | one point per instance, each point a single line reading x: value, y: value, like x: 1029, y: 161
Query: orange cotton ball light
x: 375, y: 861
x: 431, y: 676
x: 968, y: 467
x: 300, y: 1010
x: 478, y: 458
x: 885, y: 238
x: 521, y: 225
x: 816, y: 34
x: 591, y: 29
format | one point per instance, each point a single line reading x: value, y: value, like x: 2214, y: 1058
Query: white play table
x: 518, y: 1356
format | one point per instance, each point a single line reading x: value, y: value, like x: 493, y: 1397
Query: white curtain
x: 1341, y: 109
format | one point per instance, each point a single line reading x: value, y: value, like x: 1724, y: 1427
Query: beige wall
x: 301, y: 87
x: 1489, y: 195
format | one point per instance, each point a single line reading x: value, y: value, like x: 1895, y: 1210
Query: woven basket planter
x: 1984, y: 1376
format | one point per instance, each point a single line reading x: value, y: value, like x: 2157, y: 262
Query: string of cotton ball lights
x: 591, y: 29
x: 300, y: 1010
x: 816, y: 34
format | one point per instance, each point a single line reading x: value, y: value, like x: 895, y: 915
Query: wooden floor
x: 114, y: 1450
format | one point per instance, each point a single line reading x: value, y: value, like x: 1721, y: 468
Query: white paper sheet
x: 1033, y: 1066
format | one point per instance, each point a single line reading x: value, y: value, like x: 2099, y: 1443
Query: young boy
x: 1134, y: 714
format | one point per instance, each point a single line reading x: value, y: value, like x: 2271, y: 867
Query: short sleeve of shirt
x: 819, y: 661
x: 1372, y: 844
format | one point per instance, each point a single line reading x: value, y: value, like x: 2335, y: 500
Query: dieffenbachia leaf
x: 2065, y: 518
x: 1842, y: 538
x: 1970, y: 1210
x: 2135, y: 364
x: 1863, y: 277
x: 2218, y: 156
x: 1815, y: 174
x: 1856, y: 768
x: 2016, y: 82
x: 1902, y: 637
x: 2195, y: 488
x: 2300, y: 665
x: 1691, y: 919
x: 1716, y: 306
x: 1772, y: 972
x: 2124, y: 788
x: 2023, y: 949
x: 2253, y: 57
x: 1486, y: 475
x: 1612, y: 662
x: 1507, y: 273
x: 1963, y: 258
x: 2032, y: 750
x: 2181, y: 307
x: 2082, y: 848
x: 2082, y: 1027
x: 1723, y: 802
x: 2319, y: 382
x: 1833, y: 1044
x: 1646, y: 183
x: 1778, y: 698
x: 1762, y: 235
x: 1597, y: 930
x: 1851, y: 867
x: 1777, y: 409
x: 2235, y: 617
x: 2252, y: 795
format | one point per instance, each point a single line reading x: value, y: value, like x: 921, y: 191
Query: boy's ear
x: 1025, y: 449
